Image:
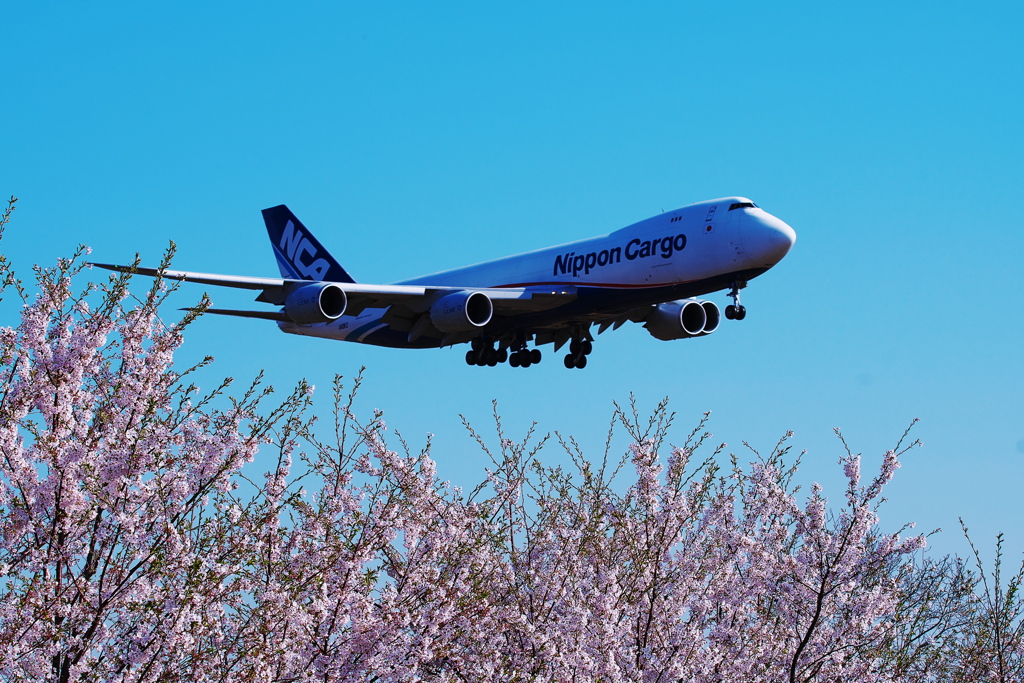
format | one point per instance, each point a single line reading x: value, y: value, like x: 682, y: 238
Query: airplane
x: 650, y: 273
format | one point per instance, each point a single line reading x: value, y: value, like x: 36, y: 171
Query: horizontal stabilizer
x: 239, y: 281
x: 264, y: 315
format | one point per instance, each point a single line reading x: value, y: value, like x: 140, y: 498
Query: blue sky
x: 414, y: 137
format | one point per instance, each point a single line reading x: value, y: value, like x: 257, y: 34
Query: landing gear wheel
x: 502, y: 355
x: 735, y: 310
x: 581, y: 362
x: 524, y: 359
x: 513, y: 360
x: 574, y: 347
x: 470, y: 357
x: 586, y: 347
x: 490, y: 357
x: 535, y: 356
x: 570, y: 361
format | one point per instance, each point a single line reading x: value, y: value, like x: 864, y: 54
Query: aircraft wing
x: 416, y: 298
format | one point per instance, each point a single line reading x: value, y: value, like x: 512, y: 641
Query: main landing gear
x: 735, y: 310
x: 579, y: 349
x: 483, y: 353
x: 524, y: 358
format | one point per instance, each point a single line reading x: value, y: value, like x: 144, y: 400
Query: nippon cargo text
x: 573, y: 264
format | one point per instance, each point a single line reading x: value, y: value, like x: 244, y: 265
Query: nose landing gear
x: 735, y: 310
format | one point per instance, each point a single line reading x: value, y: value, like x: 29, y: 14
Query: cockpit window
x: 743, y: 205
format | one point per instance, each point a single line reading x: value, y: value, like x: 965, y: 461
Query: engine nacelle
x: 461, y: 311
x: 714, y: 317
x: 683, y: 319
x: 316, y: 303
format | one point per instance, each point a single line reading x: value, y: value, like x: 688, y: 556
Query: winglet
x: 299, y: 255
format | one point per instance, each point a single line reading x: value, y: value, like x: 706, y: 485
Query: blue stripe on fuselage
x: 355, y: 334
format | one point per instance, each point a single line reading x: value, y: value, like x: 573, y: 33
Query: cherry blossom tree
x: 138, y: 544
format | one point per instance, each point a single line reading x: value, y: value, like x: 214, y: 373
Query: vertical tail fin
x: 299, y: 255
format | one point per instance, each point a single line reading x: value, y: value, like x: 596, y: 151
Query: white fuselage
x: 690, y: 251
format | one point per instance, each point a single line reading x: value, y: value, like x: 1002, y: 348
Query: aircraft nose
x: 769, y: 241
x: 782, y: 238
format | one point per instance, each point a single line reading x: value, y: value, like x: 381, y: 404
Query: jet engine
x: 714, y: 317
x: 316, y: 303
x: 461, y: 311
x: 683, y: 319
